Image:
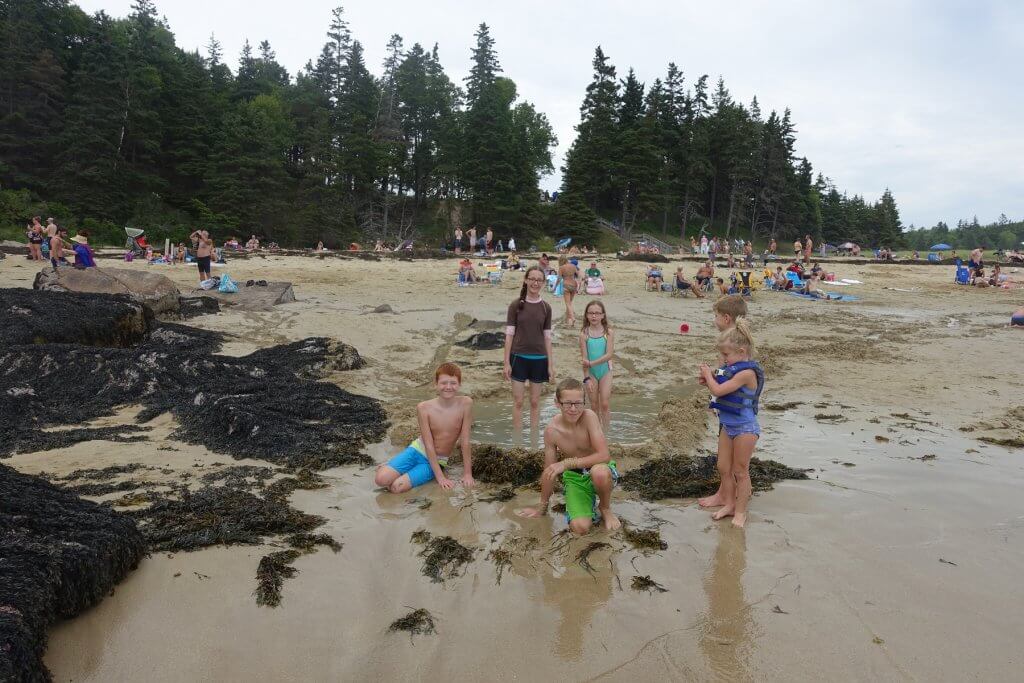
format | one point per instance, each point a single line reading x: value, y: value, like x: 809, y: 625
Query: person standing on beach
x: 529, y: 355
x: 588, y: 473
x: 204, y: 250
x: 51, y: 228
x: 569, y: 274
x: 472, y: 238
x: 489, y: 241
x: 35, y: 239
x: 444, y: 422
x: 57, y: 248
x: 458, y: 240
x: 703, y: 244
x: 808, y: 249
x: 772, y: 246
x: 597, y: 342
x: 511, y: 243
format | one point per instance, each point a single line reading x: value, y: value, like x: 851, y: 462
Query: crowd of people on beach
x: 51, y: 242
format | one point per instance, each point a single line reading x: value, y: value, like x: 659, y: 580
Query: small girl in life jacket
x: 735, y: 389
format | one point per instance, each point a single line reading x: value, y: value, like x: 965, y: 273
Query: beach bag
x: 595, y: 285
x: 129, y: 256
x: 210, y: 283
x: 227, y: 285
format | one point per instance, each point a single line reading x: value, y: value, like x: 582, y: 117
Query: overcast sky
x: 922, y: 96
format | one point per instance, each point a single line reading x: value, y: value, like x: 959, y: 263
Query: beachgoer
x: 748, y: 254
x: 51, y: 228
x: 529, y: 355
x: 682, y: 284
x: 808, y: 248
x: 444, y: 422
x: 772, y: 246
x: 735, y: 388
x: 467, y: 271
x: 575, y: 449
x: 596, y: 349
x: 811, y: 286
x: 253, y: 244
x: 57, y: 256
x: 798, y: 247
x: 204, y: 251
x: 976, y: 259
x: 722, y: 287
x: 703, y: 244
x: 728, y: 310
x: 84, y: 257
x: 319, y: 245
x: 489, y: 241
x: 458, y: 240
x: 1017, y: 319
x: 472, y: 238
x: 511, y: 243
x: 513, y: 261
x: 569, y: 274
x: 593, y: 270
x: 35, y: 239
x: 654, y: 278
x: 179, y: 256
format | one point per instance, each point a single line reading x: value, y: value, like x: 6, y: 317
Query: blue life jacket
x: 743, y: 400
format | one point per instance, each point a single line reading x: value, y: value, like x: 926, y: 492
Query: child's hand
x: 446, y: 483
x: 553, y: 470
x: 586, y: 365
x: 468, y: 481
x: 508, y: 371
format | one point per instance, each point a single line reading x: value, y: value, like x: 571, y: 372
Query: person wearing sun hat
x: 84, y: 257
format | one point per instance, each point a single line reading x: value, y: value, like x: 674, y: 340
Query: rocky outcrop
x: 253, y: 297
x: 155, y: 290
x: 58, y: 317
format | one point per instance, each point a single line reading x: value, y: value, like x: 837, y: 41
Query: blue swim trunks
x: 1017, y: 321
x: 413, y: 461
x: 732, y: 431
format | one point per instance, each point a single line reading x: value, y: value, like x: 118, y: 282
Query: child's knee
x: 400, y: 485
x: 382, y: 477
x: 740, y: 473
x: 580, y: 525
x: 600, y: 475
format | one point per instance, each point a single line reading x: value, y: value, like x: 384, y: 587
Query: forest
x: 105, y: 123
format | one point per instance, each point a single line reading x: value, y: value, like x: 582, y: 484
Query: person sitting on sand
x: 704, y: 275
x: 654, y: 278
x: 683, y: 285
x: 513, y: 262
x: 723, y: 288
x: 997, y: 276
x: 467, y: 272
x: 444, y: 422
x: 575, y: 449
x: 253, y: 244
x: 811, y: 286
x: 1017, y: 319
x: 84, y: 257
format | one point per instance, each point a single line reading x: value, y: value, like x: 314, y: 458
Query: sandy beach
x: 897, y: 559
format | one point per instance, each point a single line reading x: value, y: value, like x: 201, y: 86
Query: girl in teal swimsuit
x: 596, y: 349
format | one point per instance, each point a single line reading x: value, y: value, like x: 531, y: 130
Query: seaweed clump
x: 31, y: 317
x: 419, y: 622
x: 262, y: 405
x: 646, y: 583
x: 646, y: 540
x: 515, y: 466
x: 443, y: 556
x: 59, y: 555
x: 270, y: 575
x: 683, y: 476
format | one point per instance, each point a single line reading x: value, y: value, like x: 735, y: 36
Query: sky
x: 923, y: 97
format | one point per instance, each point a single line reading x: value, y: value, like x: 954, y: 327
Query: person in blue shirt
x: 84, y: 257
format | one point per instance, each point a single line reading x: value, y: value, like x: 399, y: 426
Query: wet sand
x: 885, y: 564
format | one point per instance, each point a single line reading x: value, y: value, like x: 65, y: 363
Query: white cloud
x: 923, y: 97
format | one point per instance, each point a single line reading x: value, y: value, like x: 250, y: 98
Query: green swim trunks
x: 580, y: 496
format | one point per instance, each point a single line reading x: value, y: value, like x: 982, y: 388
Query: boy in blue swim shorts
x: 444, y: 422
x: 587, y: 470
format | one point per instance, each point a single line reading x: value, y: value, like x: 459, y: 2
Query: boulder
x: 30, y: 317
x: 155, y: 290
x: 254, y: 297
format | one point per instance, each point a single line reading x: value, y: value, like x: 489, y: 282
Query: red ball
x: 684, y: 328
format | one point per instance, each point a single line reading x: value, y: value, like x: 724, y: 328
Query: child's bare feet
x: 531, y: 512
x: 711, y: 501
x: 739, y: 519
x: 609, y: 520
x: 727, y: 511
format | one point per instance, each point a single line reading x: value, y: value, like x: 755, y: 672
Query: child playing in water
x: 444, y: 421
x: 735, y: 389
x: 587, y: 470
x: 596, y: 349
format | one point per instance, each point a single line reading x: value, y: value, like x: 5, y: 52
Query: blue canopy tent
x: 563, y: 244
x: 940, y: 247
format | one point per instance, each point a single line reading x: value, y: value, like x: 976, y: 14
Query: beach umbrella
x: 940, y: 247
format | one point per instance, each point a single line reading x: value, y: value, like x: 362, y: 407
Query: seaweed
x: 646, y: 258
x: 261, y: 405
x: 31, y: 317
x: 308, y: 542
x: 218, y: 515
x: 833, y: 418
x: 270, y: 575
x: 645, y: 540
x: 1015, y: 442
x: 682, y: 476
x: 443, y: 556
x: 646, y: 583
x: 59, y: 555
x: 583, y: 556
x: 419, y: 622
x: 305, y: 480
x: 239, y: 475
x: 192, y: 306
x: 789, y: 405
x: 511, y: 548
x: 502, y: 495
x: 515, y: 466
x: 484, y: 341
x: 104, y: 473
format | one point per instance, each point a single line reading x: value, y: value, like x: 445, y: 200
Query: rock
x: 383, y: 308
x: 56, y: 317
x: 252, y: 298
x: 155, y: 290
x: 484, y: 341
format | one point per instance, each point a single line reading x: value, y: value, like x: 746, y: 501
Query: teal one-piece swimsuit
x: 597, y: 347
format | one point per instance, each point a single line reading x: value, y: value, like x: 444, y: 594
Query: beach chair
x: 794, y: 278
x: 963, y: 275
x: 934, y: 258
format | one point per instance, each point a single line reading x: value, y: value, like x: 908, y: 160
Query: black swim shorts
x: 533, y: 370
x: 203, y: 263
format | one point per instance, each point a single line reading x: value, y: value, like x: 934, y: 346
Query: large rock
x: 254, y: 297
x: 155, y: 290
x: 29, y: 317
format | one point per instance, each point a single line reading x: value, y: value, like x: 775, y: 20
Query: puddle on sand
x: 632, y: 419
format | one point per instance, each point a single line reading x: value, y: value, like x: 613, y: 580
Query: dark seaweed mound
x: 59, y: 555
x: 484, y: 341
x: 262, y: 405
x: 646, y: 258
x: 683, y: 476
x: 31, y: 317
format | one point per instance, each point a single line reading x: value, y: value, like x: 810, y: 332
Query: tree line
x: 688, y: 158
x: 111, y: 123
x: 1002, y: 234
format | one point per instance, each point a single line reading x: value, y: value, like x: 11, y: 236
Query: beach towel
x: 847, y: 281
x: 828, y: 296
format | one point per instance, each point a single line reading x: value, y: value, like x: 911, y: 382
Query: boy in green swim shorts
x: 444, y: 422
x: 576, y: 450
